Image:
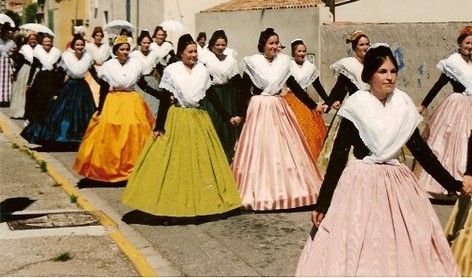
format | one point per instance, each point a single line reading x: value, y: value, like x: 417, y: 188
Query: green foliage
x: 43, y: 165
x: 16, y: 17
x: 30, y: 13
x: 73, y: 198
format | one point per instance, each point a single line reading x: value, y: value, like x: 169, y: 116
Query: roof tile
x: 244, y: 5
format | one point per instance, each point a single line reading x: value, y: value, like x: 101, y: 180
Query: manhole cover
x: 51, y: 220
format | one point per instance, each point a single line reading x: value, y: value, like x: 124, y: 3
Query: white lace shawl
x: 148, y: 61
x: 47, y: 59
x: 27, y: 51
x: 270, y: 77
x: 221, y: 71
x: 188, y: 87
x: 383, y: 129
x: 76, y: 68
x: 121, y: 77
x: 230, y: 52
x: 457, y: 68
x: 162, y: 52
x: 352, y: 69
x: 99, y: 54
x: 305, y: 74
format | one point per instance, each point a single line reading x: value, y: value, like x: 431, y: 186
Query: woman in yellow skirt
x: 306, y: 74
x: 459, y: 226
x: 183, y: 170
x: 118, y: 130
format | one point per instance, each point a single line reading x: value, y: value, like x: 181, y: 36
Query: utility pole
x: 128, y: 10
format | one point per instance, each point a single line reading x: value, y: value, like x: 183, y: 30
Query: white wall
x: 405, y: 11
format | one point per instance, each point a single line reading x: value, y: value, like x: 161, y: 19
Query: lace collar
x: 188, y: 87
x: 270, y: 77
x: 352, y: 69
x: 384, y: 129
x: 457, y: 68
x: 305, y: 74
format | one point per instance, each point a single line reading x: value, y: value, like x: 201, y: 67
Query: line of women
x: 221, y: 141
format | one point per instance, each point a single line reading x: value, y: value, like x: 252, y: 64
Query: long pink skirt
x: 273, y: 165
x: 449, y: 130
x: 380, y: 223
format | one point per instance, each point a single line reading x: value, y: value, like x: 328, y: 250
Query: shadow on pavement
x: 89, y: 183
x: 143, y: 218
x: 57, y: 147
x: 11, y: 205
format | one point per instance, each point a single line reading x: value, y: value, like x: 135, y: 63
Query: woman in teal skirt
x: 183, y: 171
x: 226, y: 80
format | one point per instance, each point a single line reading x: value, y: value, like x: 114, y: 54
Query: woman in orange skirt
x: 310, y: 121
x: 117, y: 132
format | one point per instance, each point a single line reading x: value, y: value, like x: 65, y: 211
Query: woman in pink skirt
x: 373, y: 219
x: 273, y: 165
x: 450, y: 125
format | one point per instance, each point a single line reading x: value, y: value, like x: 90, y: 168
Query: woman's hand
x: 157, y: 133
x: 317, y: 217
x: 467, y: 185
x: 235, y: 121
x: 336, y: 105
x: 321, y: 108
x: 421, y: 109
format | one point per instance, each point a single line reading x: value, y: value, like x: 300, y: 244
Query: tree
x: 30, y: 13
x: 16, y: 17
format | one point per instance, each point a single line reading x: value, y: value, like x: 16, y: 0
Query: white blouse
x: 47, y: 59
x: 457, y: 68
x: 188, y: 86
x: 99, y: 53
x: 270, y: 77
x: 148, y: 61
x: 162, y: 51
x: 121, y: 77
x: 304, y: 74
x: 74, y: 67
x: 352, y: 69
x: 384, y: 128
x: 221, y: 71
x: 27, y: 51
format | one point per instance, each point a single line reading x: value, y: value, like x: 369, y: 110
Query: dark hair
x: 374, y: 58
x: 144, y: 34
x: 264, y: 36
x: 97, y: 30
x: 465, y: 32
x: 77, y: 37
x: 157, y: 29
x: 184, y: 41
x: 355, y: 42
x: 42, y: 36
x: 295, y: 44
x: 218, y: 34
x: 201, y: 35
x: 126, y: 32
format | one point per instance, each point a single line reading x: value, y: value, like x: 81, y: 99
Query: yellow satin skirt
x: 311, y: 123
x: 459, y: 234
x: 114, y: 140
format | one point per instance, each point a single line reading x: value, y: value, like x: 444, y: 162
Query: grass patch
x: 56, y: 184
x: 15, y: 145
x: 63, y: 257
x: 43, y: 165
x: 73, y: 198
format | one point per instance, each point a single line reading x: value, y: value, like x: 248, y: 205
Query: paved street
x: 243, y: 244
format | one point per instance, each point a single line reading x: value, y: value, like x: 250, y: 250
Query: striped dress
x: 6, y: 73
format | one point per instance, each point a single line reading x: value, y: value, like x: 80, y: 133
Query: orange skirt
x: 311, y: 123
x: 114, y: 140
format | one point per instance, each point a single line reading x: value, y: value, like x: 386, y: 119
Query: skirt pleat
x: 273, y: 165
x: 449, y: 130
x: 184, y: 173
x: 380, y: 223
x: 113, y: 141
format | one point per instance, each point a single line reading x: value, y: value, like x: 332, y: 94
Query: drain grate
x: 51, y: 220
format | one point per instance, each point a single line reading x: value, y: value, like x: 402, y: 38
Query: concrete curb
x: 134, y: 246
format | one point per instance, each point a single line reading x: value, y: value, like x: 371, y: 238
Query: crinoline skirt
x: 184, y: 173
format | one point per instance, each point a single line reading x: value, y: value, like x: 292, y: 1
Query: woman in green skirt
x: 183, y: 171
x: 225, y: 81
